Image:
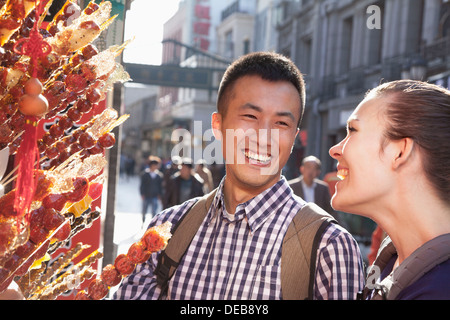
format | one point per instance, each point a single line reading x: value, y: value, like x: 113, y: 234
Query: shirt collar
x: 258, y: 209
x: 313, y: 185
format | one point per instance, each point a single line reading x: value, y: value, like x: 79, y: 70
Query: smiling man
x: 236, y: 251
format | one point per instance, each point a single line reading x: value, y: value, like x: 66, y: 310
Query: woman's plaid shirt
x: 238, y: 256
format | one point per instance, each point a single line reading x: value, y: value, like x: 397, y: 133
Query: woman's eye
x: 351, y: 129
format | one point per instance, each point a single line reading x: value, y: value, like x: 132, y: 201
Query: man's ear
x: 404, y: 149
x: 216, y: 125
x: 296, y: 134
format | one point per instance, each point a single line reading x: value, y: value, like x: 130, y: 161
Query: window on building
x: 229, y: 45
x: 346, y: 44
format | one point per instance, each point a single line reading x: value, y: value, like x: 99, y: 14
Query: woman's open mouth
x: 342, y: 174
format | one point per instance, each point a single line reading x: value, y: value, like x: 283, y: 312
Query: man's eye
x: 249, y: 116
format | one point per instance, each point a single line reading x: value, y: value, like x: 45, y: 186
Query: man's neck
x: 235, y: 193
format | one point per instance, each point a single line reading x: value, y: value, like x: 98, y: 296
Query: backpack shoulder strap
x: 422, y: 260
x: 299, y: 251
x: 385, y: 253
x: 186, y: 229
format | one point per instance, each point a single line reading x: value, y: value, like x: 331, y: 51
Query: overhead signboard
x: 172, y: 76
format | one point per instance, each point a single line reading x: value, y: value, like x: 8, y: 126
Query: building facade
x: 344, y: 48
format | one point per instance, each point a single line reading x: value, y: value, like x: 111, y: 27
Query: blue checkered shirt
x: 238, y: 256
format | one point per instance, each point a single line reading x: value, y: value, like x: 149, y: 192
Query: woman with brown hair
x: 394, y: 166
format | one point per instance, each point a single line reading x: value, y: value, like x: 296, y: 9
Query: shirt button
x: 222, y: 274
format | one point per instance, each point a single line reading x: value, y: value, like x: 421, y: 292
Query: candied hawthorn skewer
x: 11, y: 19
x: 154, y: 239
x: 83, y: 30
x: 66, y: 15
x: 44, y: 184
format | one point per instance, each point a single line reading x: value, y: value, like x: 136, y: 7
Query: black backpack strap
x: 299, y: 252
x: 187, y: 227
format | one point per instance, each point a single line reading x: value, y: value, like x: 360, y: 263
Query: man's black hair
x: 269, y: 66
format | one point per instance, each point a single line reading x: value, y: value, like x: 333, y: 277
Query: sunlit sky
x: 145, y: 22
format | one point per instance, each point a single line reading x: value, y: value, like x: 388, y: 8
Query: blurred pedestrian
x: 129, y: 167
x: 394, y: 166
x: 151, y: 187
x: 172, y: 167
x: 183, y: 185
x: 202, y: 170
x: 217, y: 172
x: 310, y: 188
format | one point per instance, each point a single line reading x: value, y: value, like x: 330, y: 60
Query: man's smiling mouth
x: 256, y: 157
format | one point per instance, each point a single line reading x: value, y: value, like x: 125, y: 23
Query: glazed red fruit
x: 153, y: 241
x: 86, y: 140
x: 41, y: 251
x: 65, y: 123
x: 75, y: 147
x: 24, y: 267
x: 123, y: 265
x: 97, y: 289
x: 61, y: 145
x: 13, y: 262
x: 110, y: 276
x: 43, y: 186
x: 81, y: 187
x: 92, y: 6
x: 52, y: 219
x: 63, y: 233
x: 38, y: 234
x: 82, y: 295
x: 93, y: 96
x: 36, y: 216
x: 90, y: 25
x: 95, y: 190
x: 76, y: 82
x: 137, y: 254
x: 107, y: 140
x: 74, y: 114
x: 48, y: 139
x: 90, y: 50
x: 54, y: 201
x: 26, y: 249
x: 56, y: 131
x: 96, y: 149
x: 83, y: 106
x: 52, y: 152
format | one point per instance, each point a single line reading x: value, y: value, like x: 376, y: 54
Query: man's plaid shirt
x: 238, y: 256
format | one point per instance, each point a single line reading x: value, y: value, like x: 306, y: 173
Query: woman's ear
x: 404, y: 149
x: 216, y: 125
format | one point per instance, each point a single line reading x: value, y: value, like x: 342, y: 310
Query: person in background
x: 394, y: 166
x: 202, y: 170
x: 311, y: 189
x: 151, y: 187
x: 183, y: 185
